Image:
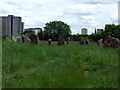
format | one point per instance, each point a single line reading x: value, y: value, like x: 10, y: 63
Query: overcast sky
x: 76, y: 13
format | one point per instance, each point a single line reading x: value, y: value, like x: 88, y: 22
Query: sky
x: 78, y: 14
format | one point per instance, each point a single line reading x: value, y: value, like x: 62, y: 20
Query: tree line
x: 54, y: 29
x: 110, y: 29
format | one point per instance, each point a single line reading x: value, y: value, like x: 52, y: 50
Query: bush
x: 110, y: 29
x: 5, y: 36
x: 96, y: 37
x: 28, y: 32
x: 40, y: 35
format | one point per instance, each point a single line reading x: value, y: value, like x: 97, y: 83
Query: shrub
x: 5, y: 36
x: 28, y: 32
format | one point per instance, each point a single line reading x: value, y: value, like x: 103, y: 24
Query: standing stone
x: 61, y: 40
x: 100, y: 42
x: 68, y: 40
x: 34, y: 39
x: 107, y: 42
x: 49, y: 41
x: 25, y: 39
x: 82, y: 41
x: 115, y: 43
x: 87, y: 42
x: 107, y: 38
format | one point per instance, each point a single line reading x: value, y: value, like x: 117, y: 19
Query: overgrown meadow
x: 67, y: 66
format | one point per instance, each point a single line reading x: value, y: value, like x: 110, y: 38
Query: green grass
x: 0, y: 63
x: 67, y: 66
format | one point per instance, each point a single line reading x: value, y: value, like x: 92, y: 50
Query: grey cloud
x: 4, y: 11
x: 37, y: 14
x: 12, y: 3
x: 77, y: 12
x: 113, y: 20
x: 102, y: 1
x: 95, y: 3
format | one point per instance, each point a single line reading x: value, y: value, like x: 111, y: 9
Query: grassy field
x: 0, y: 63
x: 67, y: 66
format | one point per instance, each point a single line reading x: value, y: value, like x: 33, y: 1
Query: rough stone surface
x: 111, y: 42
x: 82, y: 41
x: 115, y: 43
x: 100, y: 42
x: 68, y: 40
x: 49, y: 41
x: 34, y: 39
x: 107, y: 42
x: 87, y: 42
x: 61, y: 40
x: 25, y: 39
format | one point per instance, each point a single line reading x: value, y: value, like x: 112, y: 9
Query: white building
x: 84, y: 31
x: 34, y: 29
x: 99, y: 30
x: 119, y: 12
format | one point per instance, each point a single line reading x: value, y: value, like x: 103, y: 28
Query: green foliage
x: 40, y: 35
x: 77, y: 37
x: 113, y: 30
x: 28, y: 32
x: 110, y: 29
x: 81, y: 37
x: 96, y: 37
x: 5, y: 36
x: 54, y: 29
x: 67, y: 66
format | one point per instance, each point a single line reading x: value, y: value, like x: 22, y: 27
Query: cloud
x: 113, y: 18
x: 3, y: 11
x: 78, y: 14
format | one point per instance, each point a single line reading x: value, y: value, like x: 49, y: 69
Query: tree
x: 113, y: 30
x: 28, y: 32
x: 40, y: 35
x: 54, y: 29
x: 110, y: 29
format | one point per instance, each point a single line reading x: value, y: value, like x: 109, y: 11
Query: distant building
x: 99, y: 31
x: 34, y: 29
x: 84, y: 31
x: 119, y: 12
x: 11, y: 25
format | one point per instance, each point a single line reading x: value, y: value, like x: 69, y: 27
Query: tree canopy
x: 110, y: 29
x: 53, y: 30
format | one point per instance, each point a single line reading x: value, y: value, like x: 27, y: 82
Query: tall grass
x: 67, y: 66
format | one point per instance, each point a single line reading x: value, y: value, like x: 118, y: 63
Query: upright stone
x: 100, y: 42
x: 49, y: 41
x: 61, y: 40
x: 25, y: 39
x: 107, y: 42
x: 34, y: 39
x: 115, y: 43
x: 81, y: 41
x: 87, y: 42
x: 68, y: 40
